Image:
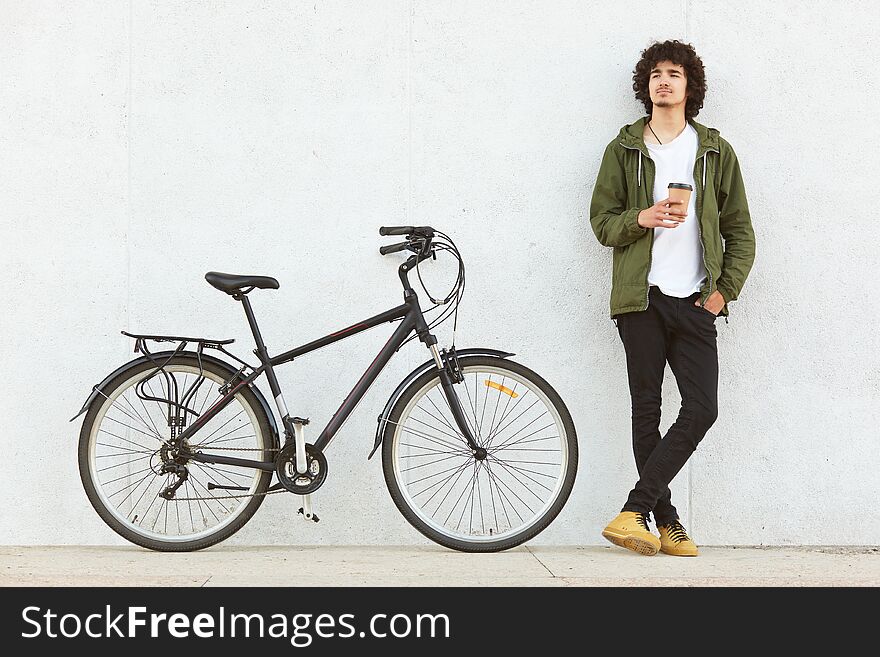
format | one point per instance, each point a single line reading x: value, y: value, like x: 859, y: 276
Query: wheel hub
x: 171, y: 453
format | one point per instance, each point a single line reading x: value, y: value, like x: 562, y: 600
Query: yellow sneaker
x: 675, y: 541
x: 630, y: 530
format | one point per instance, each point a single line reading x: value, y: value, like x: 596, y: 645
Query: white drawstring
x: 704, y: 158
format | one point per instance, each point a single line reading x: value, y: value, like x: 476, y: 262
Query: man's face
x: 667, y: 84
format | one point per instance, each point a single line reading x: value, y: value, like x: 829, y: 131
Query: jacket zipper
x: 697, y: 207
x: 699, y: 201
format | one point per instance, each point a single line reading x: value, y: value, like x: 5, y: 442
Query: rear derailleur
x: 182, y: 475
x: 172, y: 464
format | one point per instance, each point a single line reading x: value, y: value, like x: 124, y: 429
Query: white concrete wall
x: 144, y: 144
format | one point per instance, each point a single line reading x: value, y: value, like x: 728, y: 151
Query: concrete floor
x: 435, y: 566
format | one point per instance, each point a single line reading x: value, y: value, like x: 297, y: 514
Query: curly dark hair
x: 682, y: 54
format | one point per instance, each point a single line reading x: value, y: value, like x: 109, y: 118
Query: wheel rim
x: 125, y: 457
x: 481, y: 501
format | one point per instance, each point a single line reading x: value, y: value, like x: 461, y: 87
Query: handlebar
x: 393, y: 248
x: 420, y: 231
x: 418, y: 240
x: 395, y: 230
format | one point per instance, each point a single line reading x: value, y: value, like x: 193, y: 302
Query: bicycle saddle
x: 230, y: 283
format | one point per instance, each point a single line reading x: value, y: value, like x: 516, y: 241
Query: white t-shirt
x: 677, y: 254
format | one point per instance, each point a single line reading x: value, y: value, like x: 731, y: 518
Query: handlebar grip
x: 395, y: 230
x: 393, y: 248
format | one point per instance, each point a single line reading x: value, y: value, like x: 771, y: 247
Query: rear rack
x: 215, y: 344
x: 176, y: 401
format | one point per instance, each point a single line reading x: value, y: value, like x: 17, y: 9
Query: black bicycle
x: 178, y: 448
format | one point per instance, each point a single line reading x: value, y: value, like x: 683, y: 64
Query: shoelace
x: 642, y: 519
x: 677, y: 532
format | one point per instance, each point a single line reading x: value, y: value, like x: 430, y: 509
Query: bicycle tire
x: 393, y: 440
x: 88, y: 443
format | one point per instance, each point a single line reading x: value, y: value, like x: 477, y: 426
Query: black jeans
x: 674, y: 330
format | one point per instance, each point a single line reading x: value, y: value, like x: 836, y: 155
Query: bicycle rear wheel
x: 484, y: 505
x: 124, y: 444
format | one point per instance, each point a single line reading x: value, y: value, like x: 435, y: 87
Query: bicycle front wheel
x: 484, y: 505
x: 124, y: 448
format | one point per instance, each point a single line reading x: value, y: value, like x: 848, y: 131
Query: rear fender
x: 232, y: 371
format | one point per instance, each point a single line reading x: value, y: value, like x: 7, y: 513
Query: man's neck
x: 668, y: 124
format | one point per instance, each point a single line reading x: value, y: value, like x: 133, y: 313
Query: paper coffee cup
x: 680, y: 192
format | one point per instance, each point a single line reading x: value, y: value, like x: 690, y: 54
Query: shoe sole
x: 633, y: 543
x: 679, y: 554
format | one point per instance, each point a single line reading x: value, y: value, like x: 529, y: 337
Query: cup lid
x: 680, y: 186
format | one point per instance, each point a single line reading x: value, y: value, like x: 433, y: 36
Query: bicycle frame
x: 412, y: 318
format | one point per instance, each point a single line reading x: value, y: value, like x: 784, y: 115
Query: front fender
x: 98, y: 388
x: 412, y: 376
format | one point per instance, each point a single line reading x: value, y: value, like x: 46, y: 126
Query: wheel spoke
x: 507, y: 441
x: 148, y: 435
x: 225, y: 440
x: 415, y: 419
x: 508, y: 411
x: 158, y: 433
x: 523, y: 442
x: 513, y: 474
x: 124, y: 450
x: 451, y: 488
x: 503, y: 497
x: 422, y: 465
x: 221, y: 426
x: 433, y: 439
x: 457, y: 436
x: 463, y: 508
x: 440, y: 413
x: 429, y: 450
x: 218, y: 438
x: 113, y: 404
x: 500, y: 429
x: 116, y: 465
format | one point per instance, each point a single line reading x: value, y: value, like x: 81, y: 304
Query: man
x: 671, y: 276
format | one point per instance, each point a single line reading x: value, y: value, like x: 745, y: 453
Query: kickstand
x: 306, y: 509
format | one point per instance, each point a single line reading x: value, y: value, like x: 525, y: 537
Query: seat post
x: 263, y: 354
x: 258, y: 338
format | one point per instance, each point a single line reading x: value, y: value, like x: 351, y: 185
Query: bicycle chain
x: 238, y: 449
x: 231, y: 497
x: 225, y: 497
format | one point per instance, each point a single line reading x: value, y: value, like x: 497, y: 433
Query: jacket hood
x: 632, y: 135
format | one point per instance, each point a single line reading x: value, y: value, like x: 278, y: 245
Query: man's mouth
x: 664, y: 91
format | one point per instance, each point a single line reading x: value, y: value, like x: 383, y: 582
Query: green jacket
x: 625, y: 187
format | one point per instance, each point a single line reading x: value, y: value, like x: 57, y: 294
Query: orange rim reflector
x: 504, y: 389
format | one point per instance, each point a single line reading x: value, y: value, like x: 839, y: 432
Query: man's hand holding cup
x: 668, y: 213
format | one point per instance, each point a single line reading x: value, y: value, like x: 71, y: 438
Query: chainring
x: 308, y: 482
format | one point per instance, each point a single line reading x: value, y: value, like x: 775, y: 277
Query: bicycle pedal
x: 312, y: 517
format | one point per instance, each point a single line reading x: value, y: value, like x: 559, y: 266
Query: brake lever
x: 418, y: 245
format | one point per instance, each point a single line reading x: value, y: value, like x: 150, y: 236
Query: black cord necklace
x: 654, y: 133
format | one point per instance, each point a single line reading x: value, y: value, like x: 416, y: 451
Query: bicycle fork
x: 449, y: 374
